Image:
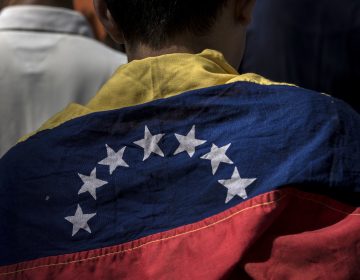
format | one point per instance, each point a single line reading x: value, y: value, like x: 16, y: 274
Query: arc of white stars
x: 91, y: 183
x: 188, y: 143
x: 150, y: 144
x: 80, y: 220
x: 216, y: 156
x: 114, y: 160
x: 236, y: 186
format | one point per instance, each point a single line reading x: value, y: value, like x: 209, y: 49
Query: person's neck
x: 192, y: 46
x: 143, y: 51
x: 53, y: 3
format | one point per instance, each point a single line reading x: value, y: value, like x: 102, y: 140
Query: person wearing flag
x: 180, y: 168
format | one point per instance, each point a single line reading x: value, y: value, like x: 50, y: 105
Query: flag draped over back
x: 210, y: 184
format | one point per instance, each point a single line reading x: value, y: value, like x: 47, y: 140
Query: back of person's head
x: 155, y: 22
x: 151, y: 28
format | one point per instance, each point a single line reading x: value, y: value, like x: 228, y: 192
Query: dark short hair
x: 155, y: 22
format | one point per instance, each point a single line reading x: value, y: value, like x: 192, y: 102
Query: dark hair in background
x: 154, y: 22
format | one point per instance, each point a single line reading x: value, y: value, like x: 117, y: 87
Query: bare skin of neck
x: 182, y: 45
x: 53, y: 3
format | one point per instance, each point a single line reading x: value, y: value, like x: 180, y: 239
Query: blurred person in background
x: 49, y: 59
x: 314, y: 44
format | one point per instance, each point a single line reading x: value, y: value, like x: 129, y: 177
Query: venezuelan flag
x: 235, y: 181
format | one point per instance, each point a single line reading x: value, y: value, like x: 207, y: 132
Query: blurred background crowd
x: 56, y: 52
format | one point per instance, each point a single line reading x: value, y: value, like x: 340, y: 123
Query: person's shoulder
x: 299, y: 107
x: 72, y: 111
x: 316, y: 103
x: 288, y: 94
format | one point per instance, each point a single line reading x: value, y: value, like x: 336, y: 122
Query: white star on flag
x: 114, y: 159
x: 236, y: 186
x: 188, y: 143
x: 91, y: 183
x: 80, y: 220
x: 217, y: 156
x: 150, y: 144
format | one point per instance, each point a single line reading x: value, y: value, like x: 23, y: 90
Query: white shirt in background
x: 48, y: 59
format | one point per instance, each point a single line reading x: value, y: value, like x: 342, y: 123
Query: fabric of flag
x: 216, y: 183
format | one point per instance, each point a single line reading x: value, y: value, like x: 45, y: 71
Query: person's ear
x: 243, y: 11
x: 108, y: 21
